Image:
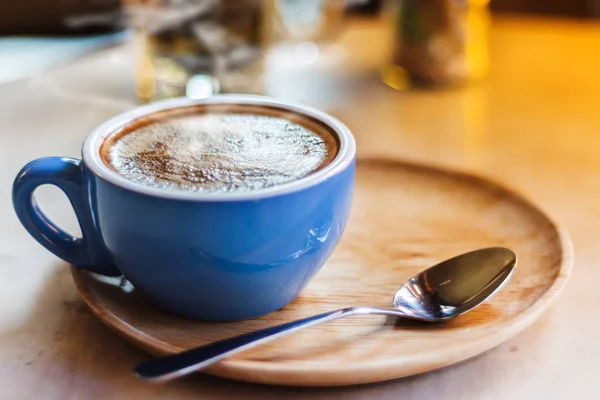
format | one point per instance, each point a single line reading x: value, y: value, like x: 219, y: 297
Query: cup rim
x: 92, y: 158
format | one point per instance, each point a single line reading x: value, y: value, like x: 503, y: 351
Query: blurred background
x: 467, y: 83
x: 74, y: 17
x: 200, y: 47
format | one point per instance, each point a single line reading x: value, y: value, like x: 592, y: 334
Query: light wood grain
x: 404, y: 219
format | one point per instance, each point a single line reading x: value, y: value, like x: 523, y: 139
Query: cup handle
x: 65, y: 173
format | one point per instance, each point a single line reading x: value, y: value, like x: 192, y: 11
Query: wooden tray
x: 404, y: 218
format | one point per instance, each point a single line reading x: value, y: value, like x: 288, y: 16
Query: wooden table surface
x: 533, y: 125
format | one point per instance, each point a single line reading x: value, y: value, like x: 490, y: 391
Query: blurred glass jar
x: 196, y: 48
x: 316, y: 21
x: 438, y: 43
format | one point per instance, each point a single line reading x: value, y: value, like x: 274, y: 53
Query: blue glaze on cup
x: 224, y: 256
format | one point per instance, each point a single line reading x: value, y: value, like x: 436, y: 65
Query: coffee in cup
x: 220, y: 148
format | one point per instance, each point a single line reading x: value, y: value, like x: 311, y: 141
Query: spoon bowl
x: 455, y: 286
x: 444, y: 291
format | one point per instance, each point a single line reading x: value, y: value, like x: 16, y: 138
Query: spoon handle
x: 181, y: 364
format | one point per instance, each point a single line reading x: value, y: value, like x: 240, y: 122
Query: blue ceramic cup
x: 210, y: 256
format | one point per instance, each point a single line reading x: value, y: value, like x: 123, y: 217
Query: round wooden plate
x: 405, y: 218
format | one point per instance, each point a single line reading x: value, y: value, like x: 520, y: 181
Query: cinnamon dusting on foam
x: 220, y: 148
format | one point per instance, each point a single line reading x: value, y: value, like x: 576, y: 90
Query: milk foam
x: 218, y: 152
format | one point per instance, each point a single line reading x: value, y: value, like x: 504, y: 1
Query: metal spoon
x: 444, y: 291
